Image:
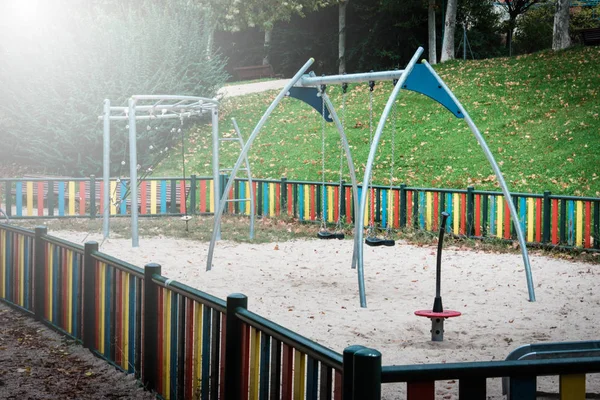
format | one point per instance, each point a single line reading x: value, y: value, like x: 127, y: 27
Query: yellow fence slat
x: 254, y: 362
x: 572, y: 387
x: 153, y: 191
x: 247, y: 196
x: 29, y: 191
x: 113, y: 197
x: 197, y: 347
x: 456, y: 213
x: 530, y: 222
x: 499, y: 216
x: 211, y: 196
x: 102, y: 271
x: 299, y: 375
x: 429, y: 208
x: 127, y: 312
x: 72, y: 198
x: 579, y: 224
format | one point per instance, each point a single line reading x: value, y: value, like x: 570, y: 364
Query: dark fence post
x: 284, y: 198
x: 233, y: 347
x: 415, y: 216
x: 348, y: 370
x: 89, y: 295
x: 93, y: 196
x: 193, y: 185
x: 470, y: 211
x: 50, y: 201
x: 547, y: 210
x: 173, y: 205
x: 367, y: 375
x: 402, y: 205
x: 39, y: 272
x: 150, y: 327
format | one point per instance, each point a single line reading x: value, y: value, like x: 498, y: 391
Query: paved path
x: 256, y: 87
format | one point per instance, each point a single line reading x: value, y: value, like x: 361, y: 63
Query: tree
x: 55, y: 77
x: 450, y: 28
x: 342, y: 36
x: 235, y: 15
x: 431, y: 32
x: 514, y: 8
x: 560, y: 36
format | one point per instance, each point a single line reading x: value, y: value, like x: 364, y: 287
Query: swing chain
x: 322, y: 89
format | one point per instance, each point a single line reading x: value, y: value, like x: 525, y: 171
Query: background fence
x: 546, y: 219
x: 184, y: 343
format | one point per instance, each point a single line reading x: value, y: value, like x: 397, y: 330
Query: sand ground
x: 309, y: 286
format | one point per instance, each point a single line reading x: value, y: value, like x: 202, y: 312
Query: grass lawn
x: 538, y: 113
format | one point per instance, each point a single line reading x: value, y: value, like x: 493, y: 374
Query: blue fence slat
x: 265, y: 191
x: 61, y: 198
x: 523, y: 213
x: 449, y: 211
x: 163, y: 197
x: 523, y: 388
x: 571, y: 222
x: 301, y: 202
x: 123, y: 206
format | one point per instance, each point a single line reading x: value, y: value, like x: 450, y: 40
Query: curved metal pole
x: 359, y: 223
x: 507, y: 197
x: 238, y: 163
x: 351, y: 168
x: 250, y: 183
x: 106, y: 170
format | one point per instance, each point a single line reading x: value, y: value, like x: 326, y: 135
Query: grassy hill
x: 538, y: 113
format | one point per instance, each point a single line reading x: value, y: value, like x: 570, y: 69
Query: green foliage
x: 74, y: 55
x: 538, y: 113
x: 534, y: 29
x: 483, y: 29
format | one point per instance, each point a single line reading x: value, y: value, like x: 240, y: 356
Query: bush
x: 534, y: 29
x: 76, y: 54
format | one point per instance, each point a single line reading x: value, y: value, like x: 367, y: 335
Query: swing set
x: 420, y: 78
x: 149, y: 107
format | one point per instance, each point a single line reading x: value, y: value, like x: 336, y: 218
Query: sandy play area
x: 309, y: 287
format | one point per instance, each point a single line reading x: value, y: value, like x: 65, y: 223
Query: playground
x: 309, y: 287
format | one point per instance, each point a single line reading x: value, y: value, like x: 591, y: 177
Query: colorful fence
x: 186, y: 344
x: 546, y: 220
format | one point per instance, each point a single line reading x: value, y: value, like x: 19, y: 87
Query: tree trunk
x: 560, y: 36
x: 450, y: 27
x: 267, y: 49
x: 210, y: 26
x: 432, y: 39
x: 342, y: 36
x: 510, y: 34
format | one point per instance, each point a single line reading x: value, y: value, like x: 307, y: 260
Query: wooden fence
x: 546, y: 219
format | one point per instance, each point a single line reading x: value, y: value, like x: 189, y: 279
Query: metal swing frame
x: 419, y: 78
x: 149, y: 107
